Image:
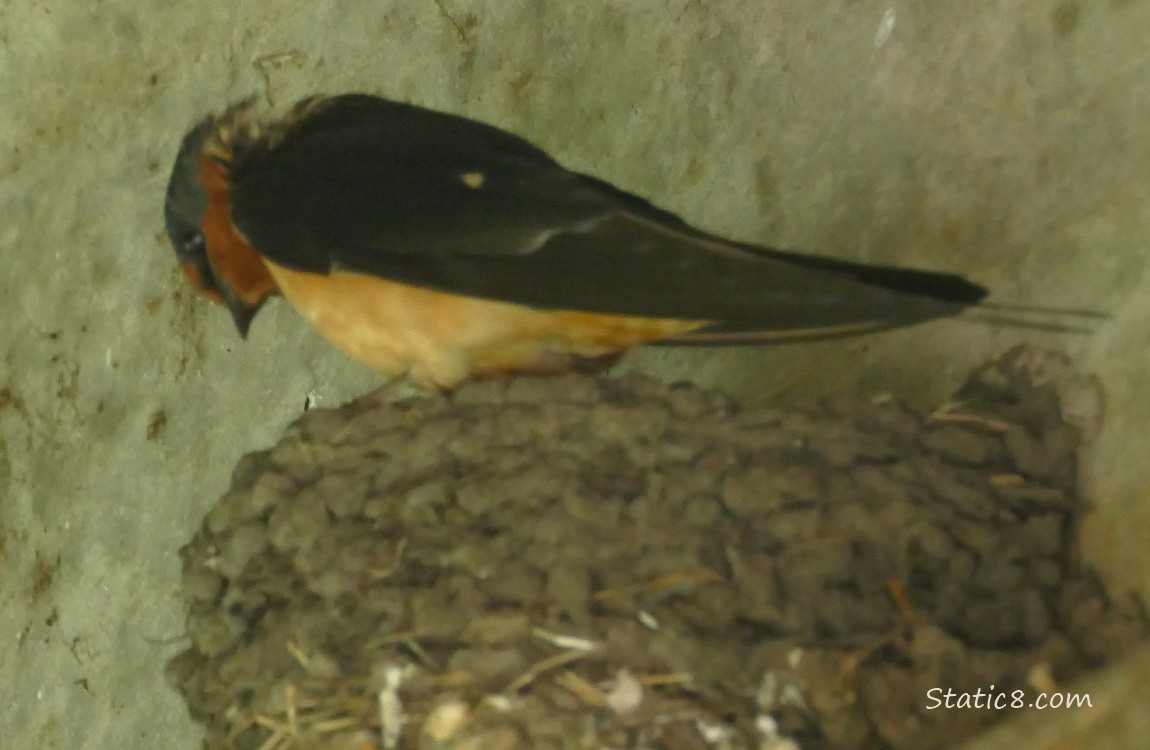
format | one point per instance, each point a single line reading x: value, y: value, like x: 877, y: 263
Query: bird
x: 437, y: 248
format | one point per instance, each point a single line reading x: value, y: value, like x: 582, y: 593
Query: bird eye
x: 193, y: 245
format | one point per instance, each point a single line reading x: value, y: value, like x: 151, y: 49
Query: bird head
x: 185, y: 206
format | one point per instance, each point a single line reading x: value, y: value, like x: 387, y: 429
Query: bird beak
x: 242, y: 312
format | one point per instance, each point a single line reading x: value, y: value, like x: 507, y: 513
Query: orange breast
x: 238, y: 266
x: 440, y: 339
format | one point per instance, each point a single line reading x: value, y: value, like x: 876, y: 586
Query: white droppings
x: 500, y: 703
x: 772, y: 740
x: 626, y: 694
x: 885, y: 28
x: 714, y: 733
x: 767, y: 725
x: 391, y: 715
x: 445, y: 720
x: 768, y: 693
x: 792, y: 696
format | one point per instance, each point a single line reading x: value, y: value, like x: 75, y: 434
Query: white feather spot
x: 473, y: 180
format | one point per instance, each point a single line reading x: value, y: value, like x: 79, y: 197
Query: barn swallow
x: 435, y: 247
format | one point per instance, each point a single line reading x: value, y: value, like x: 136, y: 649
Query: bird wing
x: 377, y: 187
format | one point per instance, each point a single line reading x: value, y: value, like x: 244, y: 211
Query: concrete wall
x: 1002, y: 139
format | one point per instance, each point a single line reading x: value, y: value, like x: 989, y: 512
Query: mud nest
x: 587, y: 562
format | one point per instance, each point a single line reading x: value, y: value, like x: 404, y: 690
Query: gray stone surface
x: 1005, y: 140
